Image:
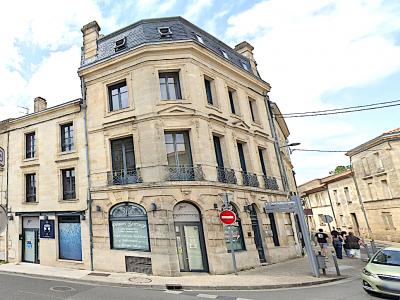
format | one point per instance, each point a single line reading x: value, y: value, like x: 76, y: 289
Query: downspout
x: 89, y: 185
x: 276, y: 144
x: 8, y: 174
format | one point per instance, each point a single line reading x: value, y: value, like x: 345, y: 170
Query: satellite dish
x: 3, y: 219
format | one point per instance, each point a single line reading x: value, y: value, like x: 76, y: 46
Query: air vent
x: 120, y: 44
x: 138, y: 264
x: 164, y: 31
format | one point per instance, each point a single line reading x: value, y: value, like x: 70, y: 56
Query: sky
x: 316, y: 54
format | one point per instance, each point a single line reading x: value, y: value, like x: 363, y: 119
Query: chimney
x: 90, y: 36
x: 246, y: 49
x: 39, y: 104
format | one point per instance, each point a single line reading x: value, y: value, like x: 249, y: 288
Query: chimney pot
x: 39, y: 104
x: 91, y: 32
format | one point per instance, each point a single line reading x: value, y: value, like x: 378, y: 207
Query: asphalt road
x: 18, y: 287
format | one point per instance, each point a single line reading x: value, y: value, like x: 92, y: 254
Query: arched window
x: 237, y: 232
x: 129, y: 228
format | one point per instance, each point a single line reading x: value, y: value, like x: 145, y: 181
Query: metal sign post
x: 294, y: 206
x: 226, y: 207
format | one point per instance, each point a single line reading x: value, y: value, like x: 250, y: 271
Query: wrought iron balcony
x: 226, y: 175
x: 250, y: 179
x: 121, y: 177
x: 184, y: 173
x: 270, y: 183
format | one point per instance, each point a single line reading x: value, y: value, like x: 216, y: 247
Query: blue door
x: 69, y: 236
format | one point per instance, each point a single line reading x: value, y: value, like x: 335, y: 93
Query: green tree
x: 340, y: 169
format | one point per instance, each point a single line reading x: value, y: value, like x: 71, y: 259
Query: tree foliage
x: 340, y: 169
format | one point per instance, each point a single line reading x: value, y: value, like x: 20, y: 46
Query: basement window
x: 120, y: 44
x: 224, y: 54
x: 164, y: 31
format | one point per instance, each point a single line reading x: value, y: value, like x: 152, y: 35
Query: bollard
x: 321, y: 262
x: 336, y: 263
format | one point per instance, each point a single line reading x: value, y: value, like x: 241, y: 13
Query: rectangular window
x: 209, y: 90
x: 178, y: 149
x: 242, y: 157
x: 388, y: 221
x: 378, y: 162
x: 365, y: 165
x: 68, y: 183
x: 67, y: 137
x: 335, y: 196
x: 253, y: 110
x: 169, y: 86
x: 122, y: 154
x: 233, y: 101
x: 30, y: 145
x: 261, y: 154
x: 218, y: 151
x: 342, y: 221
x: 387, y: 193
x: 30, y: 187
x: 321, y: 219
x: 347, y: 195
x: 118, y: 96
x: 371, y: 191
x: 69, y: 237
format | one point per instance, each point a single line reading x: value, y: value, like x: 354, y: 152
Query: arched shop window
x: 129, y: 227
x: 237, y: 232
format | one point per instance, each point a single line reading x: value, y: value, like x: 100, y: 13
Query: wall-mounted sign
x: 47, y: 229
x: 2, y: 157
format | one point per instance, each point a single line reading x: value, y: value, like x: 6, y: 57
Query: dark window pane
x: 67, y: 137
x: 30, y: 145
x: 241, y: 157
x: 261, y: 155
x: 30, y: 189
x: 68, y: 177
x: 118, y: 96
x: 207, y: 84
x: 232, y: 102
x: 123, y: 156
x: 169, y: 86
x: 218, y: 151
x: 178, y: 149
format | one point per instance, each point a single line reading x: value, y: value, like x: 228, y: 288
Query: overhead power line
x: 343, y: 110
x: 319, y: 150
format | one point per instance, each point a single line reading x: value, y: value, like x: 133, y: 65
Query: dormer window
x: 224, y: 54
x: 199, y: 38
x: 164, y: 31
x: 244, y: 65
x: 120, y: 44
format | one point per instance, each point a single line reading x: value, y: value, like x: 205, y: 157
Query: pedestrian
x: 322, y: 239
x: 337, y: 243
x: 345, y: 245
x: 334, y: 231
x: 354, y: 243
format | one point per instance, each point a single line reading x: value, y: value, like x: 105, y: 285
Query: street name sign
x: 281, y: 206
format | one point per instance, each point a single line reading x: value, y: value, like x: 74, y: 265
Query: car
x: 382, y: 273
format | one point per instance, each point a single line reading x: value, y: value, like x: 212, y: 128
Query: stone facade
x: 376, y: 166
x: 132, y: 185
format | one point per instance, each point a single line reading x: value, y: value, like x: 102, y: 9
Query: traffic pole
x: 307, y: 240
x: 232, y: 249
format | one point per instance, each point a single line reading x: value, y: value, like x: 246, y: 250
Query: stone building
x: 376, y: 165
x: 43, y: 185
x: 176, y: 119
x: 132, y: 176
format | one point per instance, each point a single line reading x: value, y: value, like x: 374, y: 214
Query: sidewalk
x: 282, y: 275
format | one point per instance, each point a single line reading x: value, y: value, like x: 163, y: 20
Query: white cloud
x: 308, y: 48
x: 195, y: 8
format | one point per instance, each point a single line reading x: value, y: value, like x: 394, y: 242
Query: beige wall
x: 381, y: 201
x: 146, y: 119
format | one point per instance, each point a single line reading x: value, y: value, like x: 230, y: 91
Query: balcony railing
x: 250, y: 179
x: 270, y: 183
x: 184, y: 173
x: 226, y: 175
x: 122, y: 177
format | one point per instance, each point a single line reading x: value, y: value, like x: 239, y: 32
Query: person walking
x: 354, y: 243
x: 346, y: 249
x: 322, y: 239
x: 337, y: 243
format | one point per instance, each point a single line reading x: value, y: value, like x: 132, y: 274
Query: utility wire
x: 318, y: 150
x: 340, y: 110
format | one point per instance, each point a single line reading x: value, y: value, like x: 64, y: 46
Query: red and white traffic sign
x: 227, y: 217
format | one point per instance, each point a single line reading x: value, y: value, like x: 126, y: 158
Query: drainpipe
x: 362, y: 205
x: 8, y: 174
x: 89, y: 185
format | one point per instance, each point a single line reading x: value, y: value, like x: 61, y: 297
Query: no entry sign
x: 227, y: 217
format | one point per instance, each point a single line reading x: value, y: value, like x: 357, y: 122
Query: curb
x: 163, y: 287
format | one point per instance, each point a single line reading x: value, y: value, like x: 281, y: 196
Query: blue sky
x: 316, y: 54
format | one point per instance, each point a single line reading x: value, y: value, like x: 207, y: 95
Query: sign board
x: 130, y: 235
x: 227, y: 217
x: 282, y: 206
x: 2, y: 158
x: 308, y: 211
x: 327, y: 219
x: 47, y: 229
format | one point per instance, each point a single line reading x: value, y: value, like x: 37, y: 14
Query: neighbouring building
x: 132, y: 176
x: 376, y: 165
x: 43, y: 181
